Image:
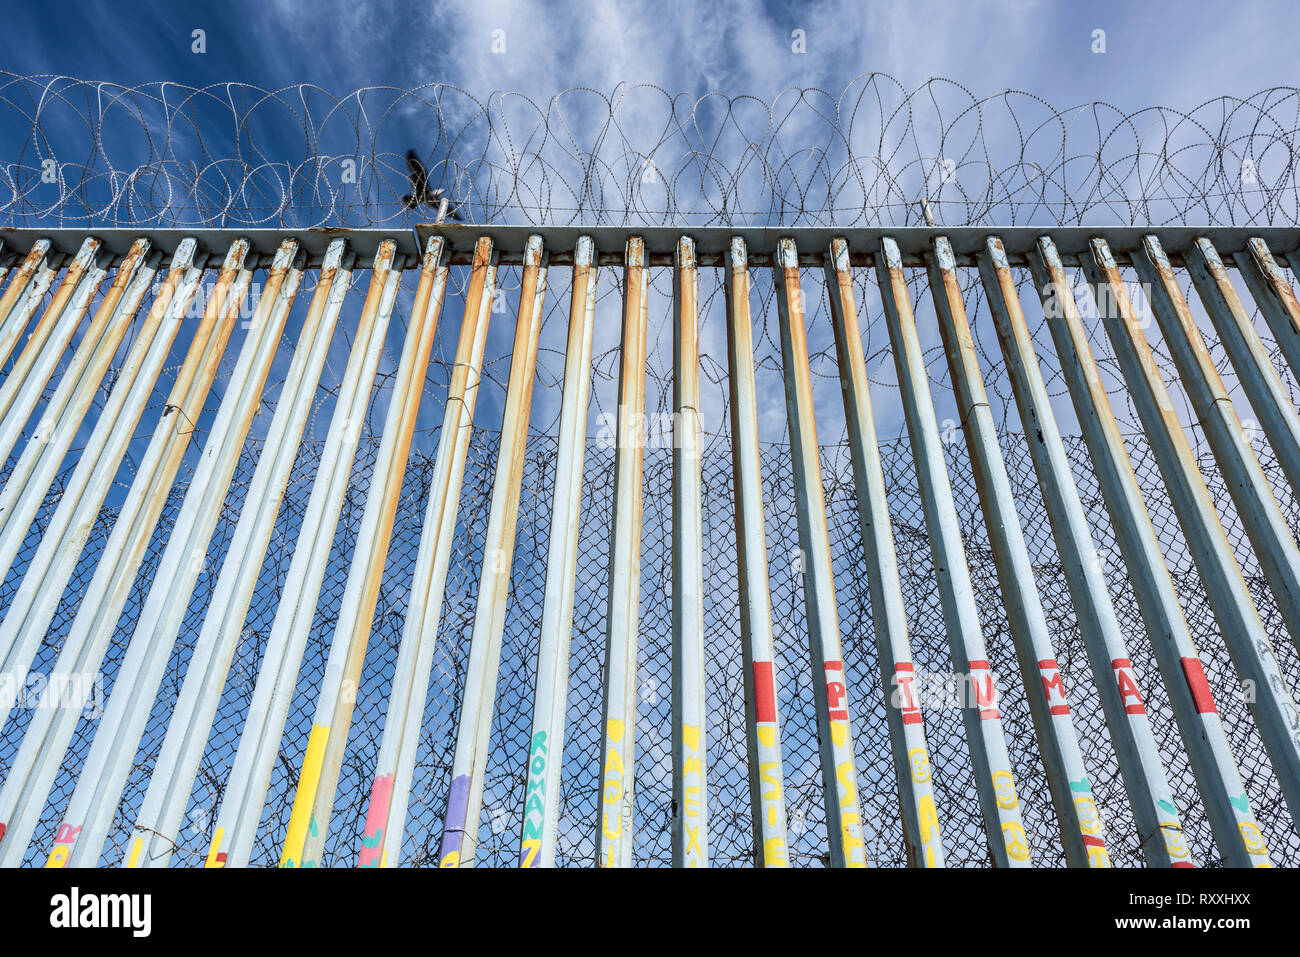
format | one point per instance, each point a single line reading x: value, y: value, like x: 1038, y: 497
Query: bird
x: 420, y: 194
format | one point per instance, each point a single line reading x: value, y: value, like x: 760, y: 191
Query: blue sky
x: 1169, y: 53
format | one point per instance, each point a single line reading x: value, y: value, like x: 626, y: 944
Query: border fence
x: 794, y: 531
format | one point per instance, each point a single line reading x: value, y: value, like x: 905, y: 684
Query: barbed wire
x: 164, y: 154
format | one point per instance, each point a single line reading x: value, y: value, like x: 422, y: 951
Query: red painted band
x: 764, y: 691
x: 1194, y: 672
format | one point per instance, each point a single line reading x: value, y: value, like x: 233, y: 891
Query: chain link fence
x: 729, y: 822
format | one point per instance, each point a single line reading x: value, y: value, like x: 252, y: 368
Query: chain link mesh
x: 730, y: 835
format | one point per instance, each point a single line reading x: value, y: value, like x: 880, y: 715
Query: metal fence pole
x: 1080, y: 823
x: 1218, y: 781
x: 762, y: 720
x: 469, y: 761
x: 618, y: 719
x: 897, y: 672
x: 690, y: 829
x: 313, y: 801
x: 1160, y: 831
x: 1008, y: 843
x: 834, y: 719
x: 160, y: 816
x: 383, y: 828
x: 1225, y: 587
x: 551, y: 698
x: 26, y: 291
x: 104, y: 771
x: 25, y: 383
x: 1275, y: 545
x: 34, y: 605
x: 1274, y: 296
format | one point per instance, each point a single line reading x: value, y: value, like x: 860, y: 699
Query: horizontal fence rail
x: 776, y: 547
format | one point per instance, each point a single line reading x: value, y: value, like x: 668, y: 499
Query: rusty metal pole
x: 889, y: 616
x: 834, y: 718
x: 551, y: 699
x: 1274, y: 296
x: 387, y: 810
x: 763, y: 723
x: 425, y: 602
x: 1235, y: 831
x: 403, y: 412
x: 384, y: 828
x: 1243, y: 632
x: 327, y: 741
x: 618, y: 718
x: 1080, y: 823
x: 162, y: 810
x: 1259, y: 380
x: 51, y: 729
x: 26, y: 291
x: 29, y: 482
x: 25, y: 383
x: 690, y: 827
x: 104, y: 333
x: 104, y: 770
x: 398, y: 429
x: 245, y: 794
x: 1008, y: 843
x: 1266, y: 526
x: 1118, y: 683
x: 38, y: 595
x: 469, y: 761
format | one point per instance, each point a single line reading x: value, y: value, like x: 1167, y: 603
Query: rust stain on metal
x: 1087, y: 363
x: 1116, y: 306
x: 36, y: 258
x: 45, y: 326
x: 956, y: 334
x: 125, y: 273
x: 214, y: 322
x: 1021, y: 342
x: 1277, y: 280
x: 1178, y: 303
x: 1141, y: 353
x: 392, y: 489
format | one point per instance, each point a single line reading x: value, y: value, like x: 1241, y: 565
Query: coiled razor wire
x: 163, y: 154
